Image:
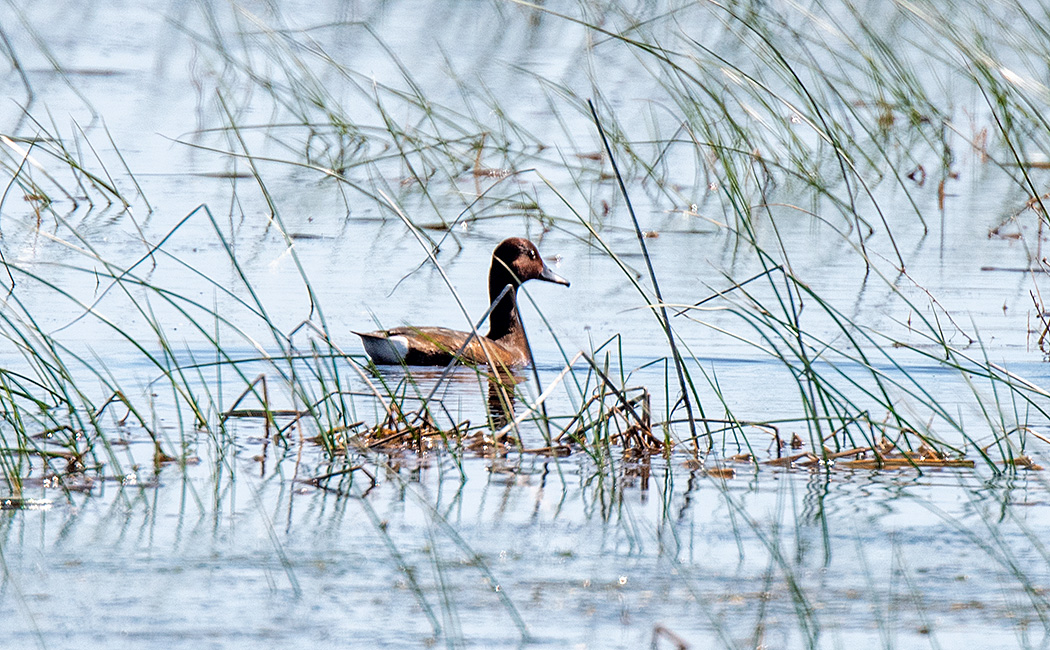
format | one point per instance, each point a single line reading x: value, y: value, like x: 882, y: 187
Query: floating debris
x: 18, y: 503
x: 905, y: 462
x: 1024, y: 462
x: 721, y: 472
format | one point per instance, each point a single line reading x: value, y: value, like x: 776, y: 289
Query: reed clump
x: 758, y: 116
x: 794, y: 164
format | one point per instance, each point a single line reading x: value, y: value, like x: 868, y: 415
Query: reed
x: 764, y: 127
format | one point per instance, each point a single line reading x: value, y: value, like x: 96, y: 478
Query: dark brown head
x: 516, y: 260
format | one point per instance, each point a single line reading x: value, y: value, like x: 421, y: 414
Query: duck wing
x: 433, y: 346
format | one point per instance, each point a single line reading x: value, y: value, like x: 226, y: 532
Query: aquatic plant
x: 757, y: 124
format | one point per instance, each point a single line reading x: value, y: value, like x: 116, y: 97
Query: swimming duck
x: 514, y: 261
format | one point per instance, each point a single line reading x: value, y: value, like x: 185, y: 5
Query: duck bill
x: 550, y: 276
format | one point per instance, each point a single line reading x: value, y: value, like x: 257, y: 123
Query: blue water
x: 231, y: 546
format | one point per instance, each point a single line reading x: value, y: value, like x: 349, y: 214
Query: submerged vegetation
x: 745, y: 183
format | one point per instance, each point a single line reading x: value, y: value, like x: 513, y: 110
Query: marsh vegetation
x: 796, y: 395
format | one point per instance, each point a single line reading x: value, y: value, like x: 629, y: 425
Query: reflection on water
x: 501, y: 397
x: 469, y: 117
x: 428, y: 383
x: 494, y: 549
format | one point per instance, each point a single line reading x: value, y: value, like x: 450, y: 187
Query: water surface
x: 471, y: 119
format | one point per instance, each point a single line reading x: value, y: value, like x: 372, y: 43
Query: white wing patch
x: 390, y: 350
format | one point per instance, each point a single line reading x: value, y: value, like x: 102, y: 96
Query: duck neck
x: 504, y: 322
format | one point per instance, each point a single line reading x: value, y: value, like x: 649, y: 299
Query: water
x: 232, y: 546
x: 260, y: 559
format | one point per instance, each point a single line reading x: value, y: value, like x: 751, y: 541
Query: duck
x: 514, y: 261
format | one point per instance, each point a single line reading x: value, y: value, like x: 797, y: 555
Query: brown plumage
x: 514, y: 261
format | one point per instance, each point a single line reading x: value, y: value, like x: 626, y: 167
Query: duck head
x: 517, y: 260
